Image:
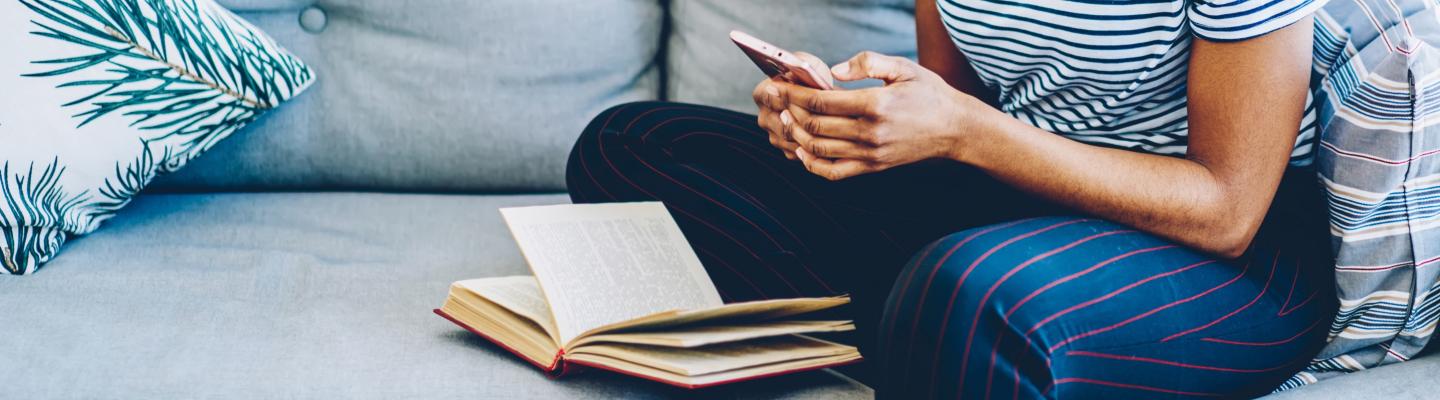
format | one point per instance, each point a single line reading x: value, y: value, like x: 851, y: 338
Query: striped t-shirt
x: 1108, y: 72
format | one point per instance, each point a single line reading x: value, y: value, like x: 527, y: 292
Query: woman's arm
x: 939, y: 54
x: 1246, y: 100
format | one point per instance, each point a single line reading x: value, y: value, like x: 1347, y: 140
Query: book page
x: 519, y: 294
x: 721, y: 357
x: 728, y: 314
x: 503, y: 327
x: 599, y: 264
x: 705, y: 335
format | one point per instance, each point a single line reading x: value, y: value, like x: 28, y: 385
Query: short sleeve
x: 1232, y: 20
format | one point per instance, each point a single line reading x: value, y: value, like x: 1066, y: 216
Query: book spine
x: 558, y: 364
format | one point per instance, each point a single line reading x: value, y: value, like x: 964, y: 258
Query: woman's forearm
x: 1179, y: 199
x: 1245, y: 102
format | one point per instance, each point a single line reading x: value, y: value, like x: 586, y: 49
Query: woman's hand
x: 916, y: 116
x: 767, y: 98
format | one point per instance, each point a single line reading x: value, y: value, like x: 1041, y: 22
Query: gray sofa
x: 301, y: 257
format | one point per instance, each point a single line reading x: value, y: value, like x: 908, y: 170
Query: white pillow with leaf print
x: 97, y: 97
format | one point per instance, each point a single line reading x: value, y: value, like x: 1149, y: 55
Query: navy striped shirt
x: 1108, y: 72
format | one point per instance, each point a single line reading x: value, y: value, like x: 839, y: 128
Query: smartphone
x: 775, y: 61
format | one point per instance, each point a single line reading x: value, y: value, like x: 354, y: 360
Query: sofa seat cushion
x: 1408, y: 380
x: 291, y: 295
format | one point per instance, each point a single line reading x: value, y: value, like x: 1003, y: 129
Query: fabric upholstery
x: 101, y: 97
x: 1412, y: 380
x: 454, y: 95
x: 268, y: 296
x: 704, y: 67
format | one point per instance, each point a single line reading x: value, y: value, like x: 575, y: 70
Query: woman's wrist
x: 973, y: 127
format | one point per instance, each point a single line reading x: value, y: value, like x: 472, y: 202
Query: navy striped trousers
x: 964, y: 287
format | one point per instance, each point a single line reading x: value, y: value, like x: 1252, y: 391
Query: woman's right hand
x: 772, y: 109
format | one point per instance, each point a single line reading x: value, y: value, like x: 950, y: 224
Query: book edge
x: 561, y: 366
x: 667, y: 315
x: 713, y: 384
x: 555, y: 370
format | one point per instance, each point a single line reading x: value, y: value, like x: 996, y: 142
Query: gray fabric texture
x: 704, y: 67
x: 268, y: 296
x: 452, y: 95
x: 1412, y: 380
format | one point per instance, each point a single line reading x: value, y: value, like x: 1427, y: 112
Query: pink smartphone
x: 775, y: 61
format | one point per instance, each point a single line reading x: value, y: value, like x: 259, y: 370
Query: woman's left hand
x: 916, y: 116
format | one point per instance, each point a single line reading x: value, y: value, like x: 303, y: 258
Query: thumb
x: 872, y: 65
x: 817, y: 65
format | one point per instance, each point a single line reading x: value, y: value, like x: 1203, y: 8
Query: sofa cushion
x: 452, y: 95
x: 269, y: 296
x: 103, y: 96
x: 704, y: 67
x: 1408, y: 380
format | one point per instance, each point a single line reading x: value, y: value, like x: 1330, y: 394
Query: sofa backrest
x: 487, y: 96
x: 704, y: 66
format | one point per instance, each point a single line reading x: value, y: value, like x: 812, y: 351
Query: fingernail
x: 785, y: 117
x: 840, y: 69
x: 772, y: 91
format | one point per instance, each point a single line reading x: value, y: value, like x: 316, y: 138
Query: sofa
x: 301, y: 257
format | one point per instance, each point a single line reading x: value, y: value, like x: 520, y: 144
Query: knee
x: 620, y: 127
x: 601, y: 138
x: 611, y: 123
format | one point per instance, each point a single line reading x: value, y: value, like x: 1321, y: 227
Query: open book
x: 616, y: 287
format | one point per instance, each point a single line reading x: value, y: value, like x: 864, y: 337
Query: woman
x: 1095, y: 199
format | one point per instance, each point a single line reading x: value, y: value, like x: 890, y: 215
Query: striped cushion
x: 1379, y: 103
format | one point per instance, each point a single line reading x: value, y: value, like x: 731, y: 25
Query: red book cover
x: 560, y: 366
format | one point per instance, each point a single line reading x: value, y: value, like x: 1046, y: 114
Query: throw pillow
x: 100, y: 96
x: 1379, y: 158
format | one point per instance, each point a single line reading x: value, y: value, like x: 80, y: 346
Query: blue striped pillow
x: 103, y: 95
x: 1379, y: 158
